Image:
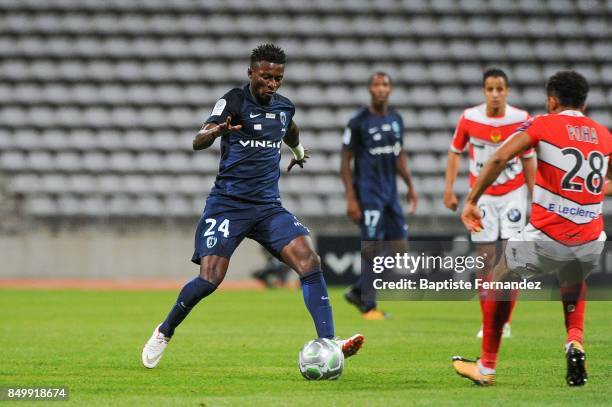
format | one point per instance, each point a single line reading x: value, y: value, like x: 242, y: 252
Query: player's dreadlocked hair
x: 569, y: 87
x: 495, y: 73
x: 268, y: 52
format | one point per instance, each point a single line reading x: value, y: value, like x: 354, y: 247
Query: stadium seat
x: 416, y: 142
x: 121, y: 162
x: 527, y: 75
x: 357, y: 73
x: 424, y: 163
x: 40, y: 161
x: 423, y: 96
x: 433, y: 50
x: 491, y: 51
x: 110, y: 184
x: 68, y: 161
x: 177, y: 206
x: 54, y: 184
x: 25, y: 184
x: 311, y: 206
x: 82, y: 184
x: 432, y: 119
x: 95, y: 162
x: 577, y: 51
x: 451, y: 96
x: 462, y: 50
x: 41, y: 206
x: 7, y: 140
x: 136, y: 184
x: 120, y: 205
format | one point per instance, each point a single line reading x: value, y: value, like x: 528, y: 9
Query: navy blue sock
x: 356, y: 287
x: 189, y: 296
x: 316, y: 299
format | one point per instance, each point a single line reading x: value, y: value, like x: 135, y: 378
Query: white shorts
x: 531, y: 252
x: 502, y: 215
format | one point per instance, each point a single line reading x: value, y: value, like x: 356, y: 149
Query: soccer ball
x: 321, y: 359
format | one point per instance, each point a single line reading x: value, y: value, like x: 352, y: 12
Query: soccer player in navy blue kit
x: 252, y: 122
x: 373, y: 139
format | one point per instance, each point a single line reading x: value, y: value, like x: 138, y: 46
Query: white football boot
x: 154, y: 348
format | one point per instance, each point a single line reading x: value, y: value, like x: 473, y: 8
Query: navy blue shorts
x: 225, y: 222
x: 382, y: 221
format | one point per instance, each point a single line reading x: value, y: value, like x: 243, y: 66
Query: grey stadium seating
x: 99, y: 100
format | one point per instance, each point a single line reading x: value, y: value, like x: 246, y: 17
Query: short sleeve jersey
x: 249, y: 166
x: 573, y: 153
x: 376, y: 142
x: 485, y: 134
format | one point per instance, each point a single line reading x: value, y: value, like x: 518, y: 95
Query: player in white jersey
x: 504, y: 204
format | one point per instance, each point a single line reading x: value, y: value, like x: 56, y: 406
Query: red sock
x: 482, y: 296
x: 482, y: 292
x: 482, y: 301
x: 574, y: 305
x: 496, y: 313
x: 513, y: 295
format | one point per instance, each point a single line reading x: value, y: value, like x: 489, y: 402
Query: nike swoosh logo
x: 325, y: 298
x: 151, y: 361
x: 251, y: 115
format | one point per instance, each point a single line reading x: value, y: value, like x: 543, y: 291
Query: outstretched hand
x: 298, y: 162
x: 226, y: 127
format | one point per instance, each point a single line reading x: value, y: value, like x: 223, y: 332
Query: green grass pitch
x: 240, y: 348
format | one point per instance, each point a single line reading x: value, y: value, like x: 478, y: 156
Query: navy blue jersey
x: 376, y: 142
x: 249, y: 167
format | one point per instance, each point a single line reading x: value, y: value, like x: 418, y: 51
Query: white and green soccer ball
x: 321, y: 359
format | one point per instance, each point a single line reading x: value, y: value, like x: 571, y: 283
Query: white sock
x: 484, y: 370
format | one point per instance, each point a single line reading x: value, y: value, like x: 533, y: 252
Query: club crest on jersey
x: 495, y: 136
x: 211, y: 241
x: 283, y: 118
x: 514, y: 215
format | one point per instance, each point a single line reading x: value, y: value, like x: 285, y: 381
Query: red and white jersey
x: 485, y: 134
x: 573, y: 153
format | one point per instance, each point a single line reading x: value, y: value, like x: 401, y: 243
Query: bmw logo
x: 514, y: 215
